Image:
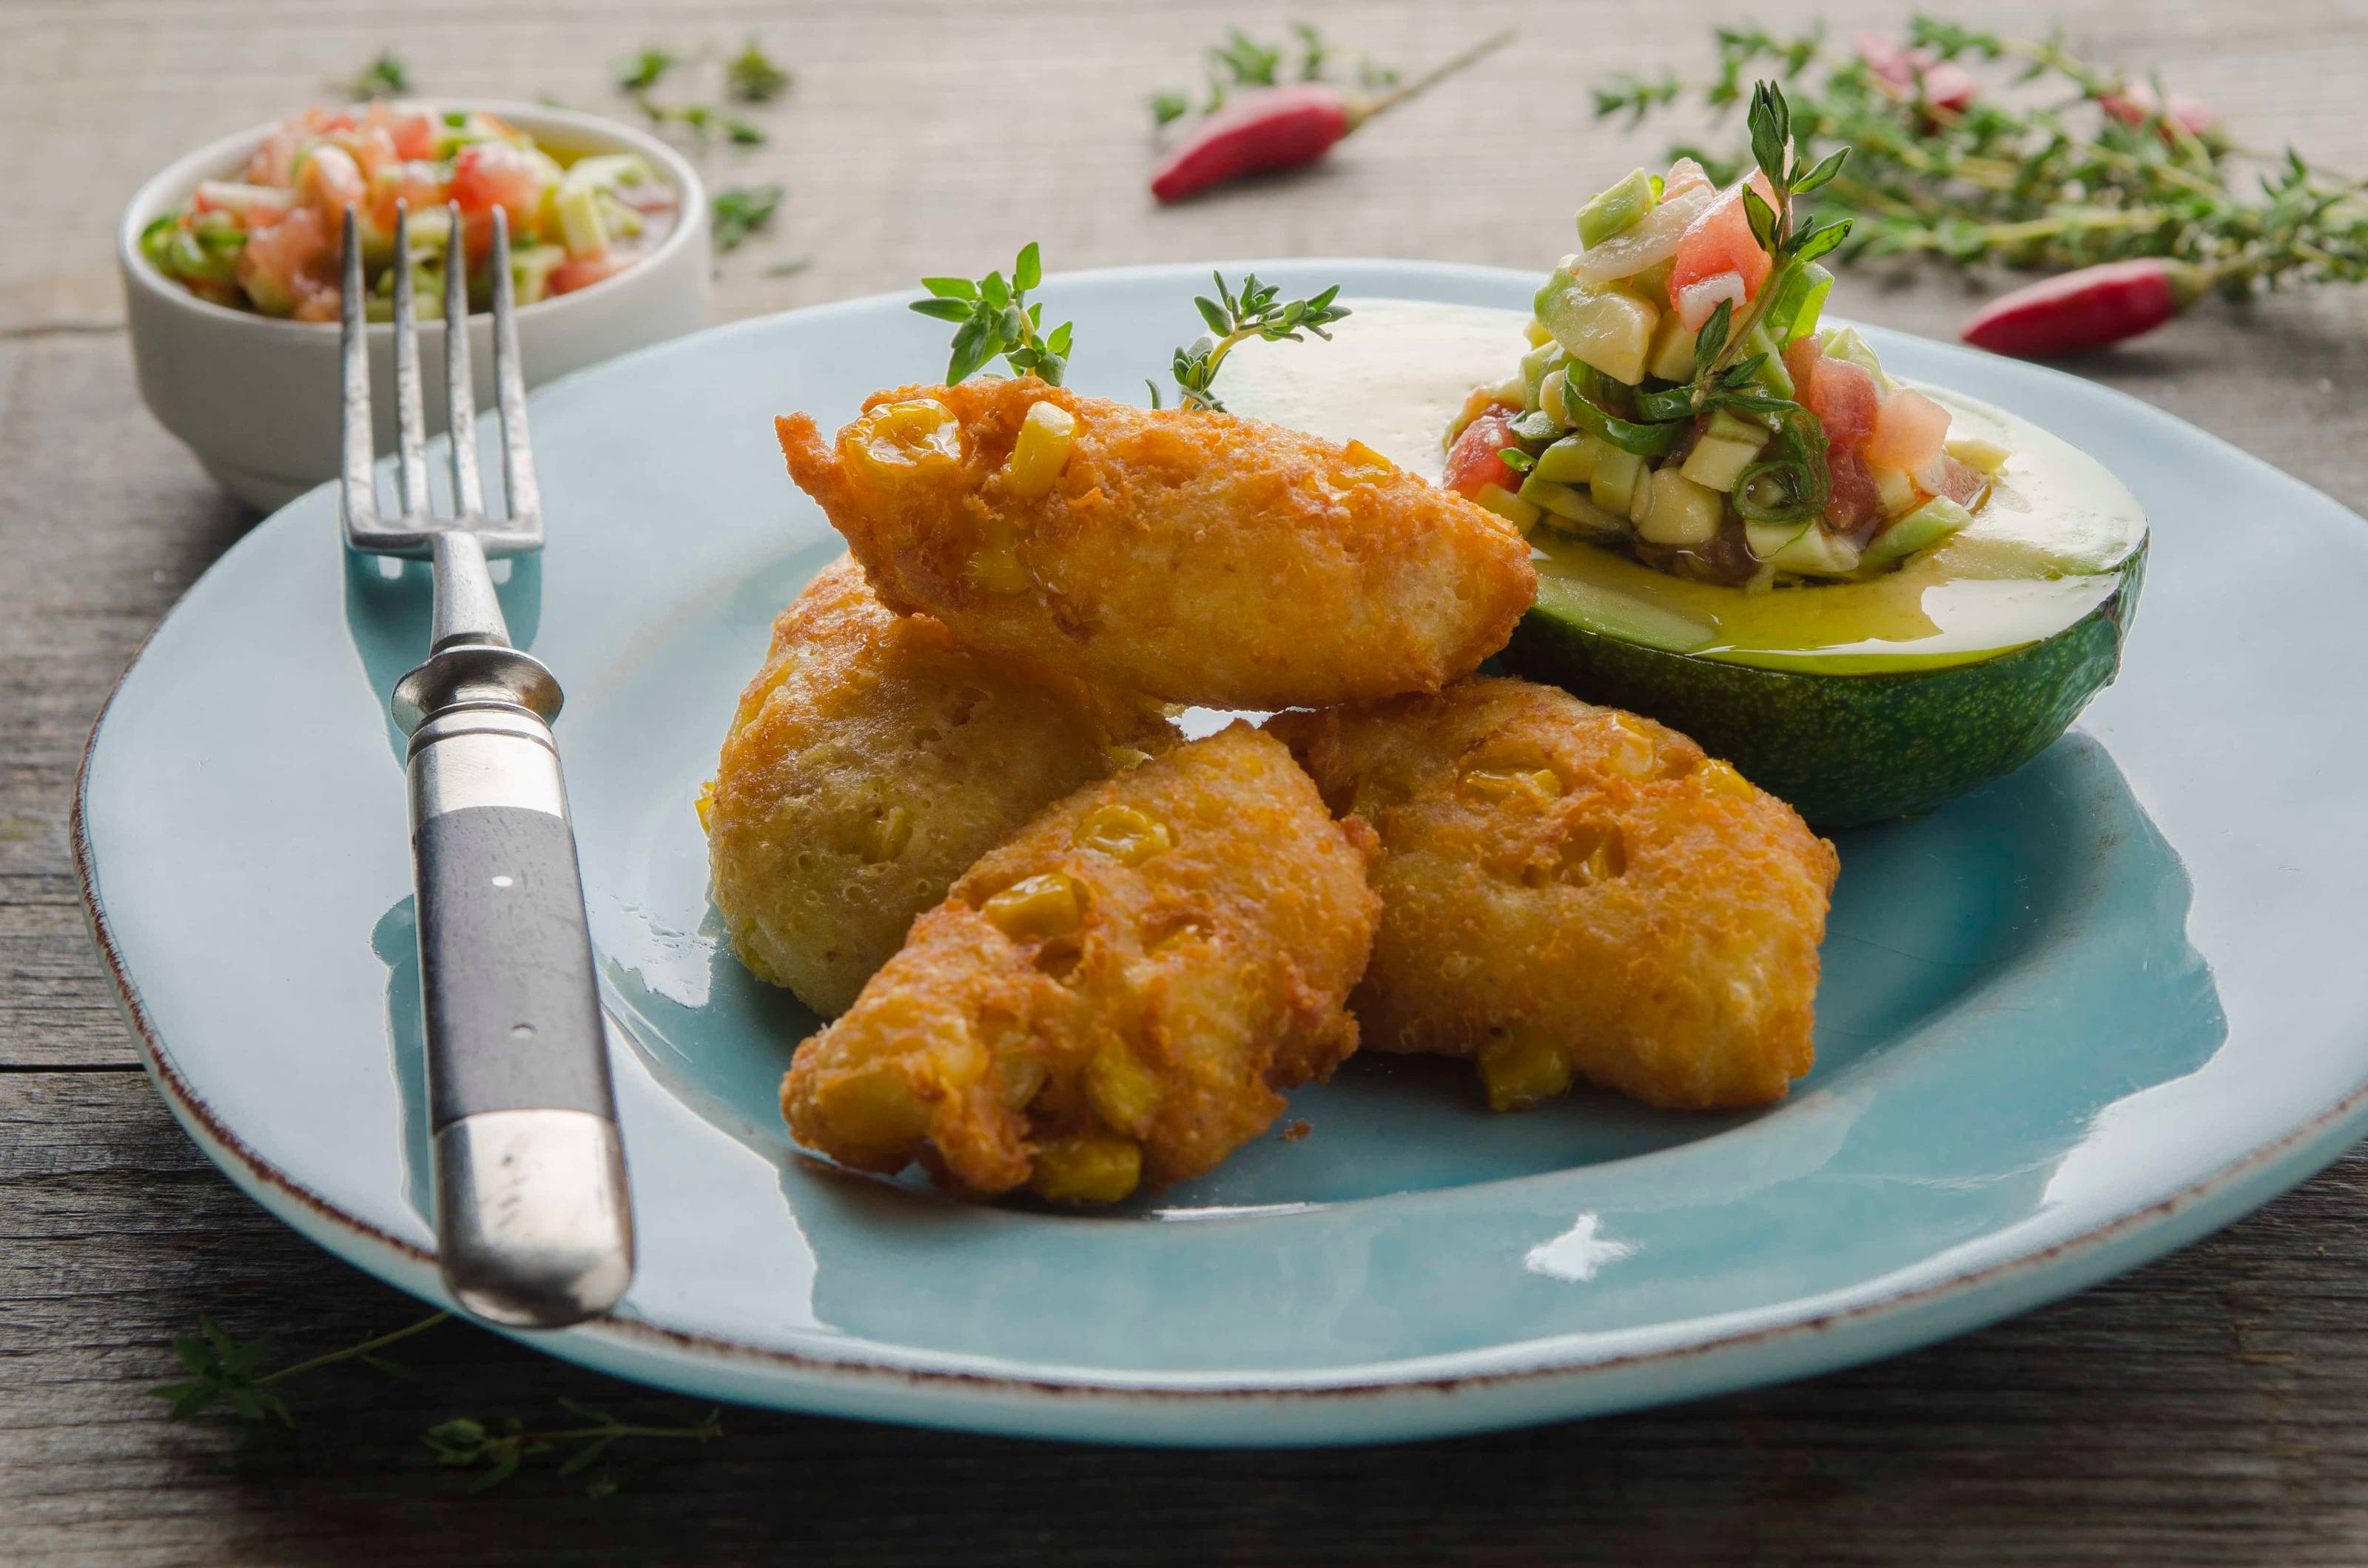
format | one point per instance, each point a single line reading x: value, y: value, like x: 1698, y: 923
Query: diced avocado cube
x: 1982, y: 456
x: 1549, y: 394
x: 1522, y: 515
x: 1927, y: 526
x: 530, y: 269
x: 1680, y: 512
x: 1569, y: 511
x: 1536, y: 365
x: 1617, y: 209
x: 1567, y: 462
x: 1893, y: 489
x: 1803, y: 549
x: 1716, y: 461
x: 1615, y: 478
x: 1567, y: 508
x: 1726, y: 425
x: 1606, y: 328
x: 1672, y: 354
x: 577, y: 205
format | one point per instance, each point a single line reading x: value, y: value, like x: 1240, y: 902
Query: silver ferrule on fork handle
x: 533, y: 1221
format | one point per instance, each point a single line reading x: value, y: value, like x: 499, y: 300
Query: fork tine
x: 353, y: 352
x: 460, y: 385
x: 517, y: 451
x: 411, y: 423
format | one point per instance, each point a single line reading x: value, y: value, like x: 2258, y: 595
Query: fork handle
x: 533, y: 1221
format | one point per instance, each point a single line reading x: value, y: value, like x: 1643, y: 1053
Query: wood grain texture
x: 2206, y: 1410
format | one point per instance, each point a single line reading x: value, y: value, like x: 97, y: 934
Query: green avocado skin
x: 1847, y: 750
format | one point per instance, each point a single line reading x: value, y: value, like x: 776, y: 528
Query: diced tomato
x: 1801, y: 356
x: 1473, y: 462
x: 1856, y: 500
x: 493, y: 173
x: 413, y: 131
x: 582, y: 272
x: 291, y: 267
x: 1846, y: 402
x: 1720, y: 241
x: 419, y: 185
x: 1960, y: 482
x: 331, y: 180
x: 1909, y: 431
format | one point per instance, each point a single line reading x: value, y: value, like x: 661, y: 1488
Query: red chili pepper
x: 2076, y: 312
x: 1284, y: 127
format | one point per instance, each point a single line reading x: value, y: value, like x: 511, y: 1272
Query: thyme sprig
x: 753, y: 76
x: 995, y: 316
x: 2052, y: 162
x: 1258, y: 311
x: 1242, y: 63
x: 223, y: 1368
x: 496, y: 1447
x: 388, y: 76
x: 740, y: 210
x: 226, y: 1368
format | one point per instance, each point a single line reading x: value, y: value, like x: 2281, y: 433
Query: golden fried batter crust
x: 1216, y: 918
x: 870, y: 761
x: 1192, y: 556
x: 1568, y: 874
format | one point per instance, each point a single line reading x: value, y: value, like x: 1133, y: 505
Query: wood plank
x: 2204, y: 1410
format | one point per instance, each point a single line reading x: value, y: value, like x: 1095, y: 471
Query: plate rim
x: 1222, y: 1409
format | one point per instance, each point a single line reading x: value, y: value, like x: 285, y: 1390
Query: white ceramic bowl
x: 256, y: 397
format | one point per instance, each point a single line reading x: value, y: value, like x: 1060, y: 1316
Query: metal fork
x: 533, y: 1221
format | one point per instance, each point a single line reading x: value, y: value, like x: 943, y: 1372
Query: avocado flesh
x: 1855, y: 701
x: 1845, y: 749
x: 1860, y: 701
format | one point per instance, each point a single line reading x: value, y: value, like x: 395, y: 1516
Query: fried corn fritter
x: 1112, y: 997
x: 1569, y: 891
x: 1192, y: 556
x: 870, y: 761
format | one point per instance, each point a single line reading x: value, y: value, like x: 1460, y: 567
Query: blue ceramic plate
x: 2068, y: 1023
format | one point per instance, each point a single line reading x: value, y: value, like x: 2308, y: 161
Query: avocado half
x: 1855, y: 701
x: 1844, y: 749
x: 1862, y: 701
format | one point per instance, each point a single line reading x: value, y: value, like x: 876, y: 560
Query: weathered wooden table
x: 2206, y: 1409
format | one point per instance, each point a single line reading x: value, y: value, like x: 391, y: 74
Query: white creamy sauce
x: 1395, y: 376
x: 1397, y: 372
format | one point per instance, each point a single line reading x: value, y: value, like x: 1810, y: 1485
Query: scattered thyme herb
x: 388, y: 76
x: 643, y: 70
x: 1236, y: 319
x: 740, y: 210
x: 2053, y: 163
x: 752, y: 77
x: 993, y: 316
x: 223, y: 1368
x: 496, y: 1447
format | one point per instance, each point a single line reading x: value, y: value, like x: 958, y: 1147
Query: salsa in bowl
x: 229, y: 260
x: 266, y: 240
